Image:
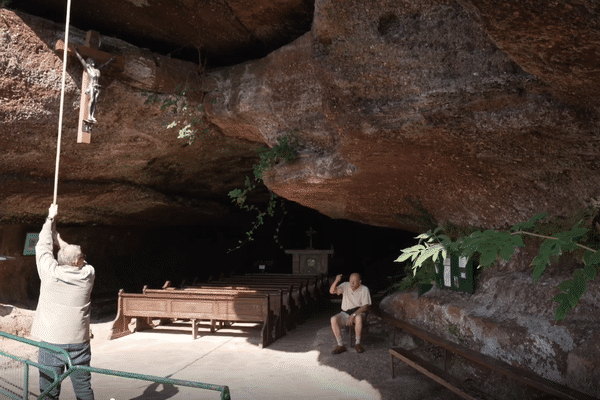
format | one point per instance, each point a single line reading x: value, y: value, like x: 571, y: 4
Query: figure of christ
x: 93, y: 83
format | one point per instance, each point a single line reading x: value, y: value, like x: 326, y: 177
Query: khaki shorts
x: 344, y: 316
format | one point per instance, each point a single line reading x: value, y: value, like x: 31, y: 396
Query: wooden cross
x: 310, y: 234
x: 90, y: 50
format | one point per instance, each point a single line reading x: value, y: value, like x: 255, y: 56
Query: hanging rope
x: 62, y: 100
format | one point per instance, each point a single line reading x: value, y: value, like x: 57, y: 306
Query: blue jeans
x: 81, y: 354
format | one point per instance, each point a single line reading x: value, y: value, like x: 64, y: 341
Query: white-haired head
x: 72, y: 255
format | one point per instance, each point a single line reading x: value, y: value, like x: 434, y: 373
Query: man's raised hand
x: 53, y: 211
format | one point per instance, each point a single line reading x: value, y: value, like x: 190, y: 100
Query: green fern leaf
x: 561, y: 298
x: 590, y: 272
x: 592, y: 258
x: 566, y: 285
x: 507, y: 251
x: 517, y: 241
x: 561, y: 311
x: 539, y: 267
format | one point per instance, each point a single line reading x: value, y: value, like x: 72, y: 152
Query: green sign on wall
x: 455, y: 273
x: 30, y: 242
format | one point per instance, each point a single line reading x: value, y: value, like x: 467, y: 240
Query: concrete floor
x: 297, y: 366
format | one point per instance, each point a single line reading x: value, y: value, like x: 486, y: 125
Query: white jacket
x: 63, y: 311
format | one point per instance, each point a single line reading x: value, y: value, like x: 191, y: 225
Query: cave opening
x: 131, y: 256
x: 197, y: 253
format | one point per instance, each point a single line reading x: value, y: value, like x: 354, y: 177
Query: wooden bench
x: 240, y: 307
x: 320, y: 291
x: 519, y: 374
x: 316, y: 284
x: 293, y: 300
x: 281, y: 301
x: 435, y: 373
x: 304, y: 298
x: 297, y: 290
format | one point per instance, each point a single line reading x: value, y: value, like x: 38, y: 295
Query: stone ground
x: 298, y: 366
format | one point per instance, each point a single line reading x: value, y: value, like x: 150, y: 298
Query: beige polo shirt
x: 354, y: 298
x: 62, y: 315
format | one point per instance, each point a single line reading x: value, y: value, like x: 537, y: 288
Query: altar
x: 310, y: 261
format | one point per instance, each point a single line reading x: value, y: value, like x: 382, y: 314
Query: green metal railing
x: 13, y: 389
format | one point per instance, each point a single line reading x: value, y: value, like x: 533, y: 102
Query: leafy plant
x: 192, y: 126
x: 284, y: 150
x: 424, y: 275
x: 189, y: 119
x: 491, y: 244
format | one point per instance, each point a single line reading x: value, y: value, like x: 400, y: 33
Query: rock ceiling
x: 222, y: 31
x: 463, y: 111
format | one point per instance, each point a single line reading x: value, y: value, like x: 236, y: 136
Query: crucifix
x: 90, y: 80
x: 90, y: 88
x: 310, y: 234
x: 93, y: 85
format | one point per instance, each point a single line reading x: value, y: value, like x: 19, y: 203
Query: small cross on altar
x: 310, y: 234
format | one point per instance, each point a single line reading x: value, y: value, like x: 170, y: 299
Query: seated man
x: 356, y: 298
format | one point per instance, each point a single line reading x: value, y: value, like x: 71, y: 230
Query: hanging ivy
x: 191, y: 125
x: 284, y: 150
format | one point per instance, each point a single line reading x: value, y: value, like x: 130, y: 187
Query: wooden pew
x: 240, y: 307
x: 307, y: 286
x: 296, y: 303
x: 281, y: 301
x: 322, y: 281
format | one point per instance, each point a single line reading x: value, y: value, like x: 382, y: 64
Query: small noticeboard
x: 455, y: 273
x: 30, y: 242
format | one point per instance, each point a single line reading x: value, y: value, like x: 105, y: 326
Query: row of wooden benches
x: 277, y: 301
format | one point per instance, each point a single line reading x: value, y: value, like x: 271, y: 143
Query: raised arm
x: 106, y: 63
x: 52, y: 212
x: 333, y: 288
x: 43, y: 248
x: 80, y: 58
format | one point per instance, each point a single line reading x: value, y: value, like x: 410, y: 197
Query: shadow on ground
x: 372, y: 366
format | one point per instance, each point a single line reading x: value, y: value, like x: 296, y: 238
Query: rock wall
x: 484, y: 113
x: 402, y: 101
x: 134, y: 171
x: 19, y: 282
x: 511, y: 318
x: 554, y: 41
x: 394, y: 102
